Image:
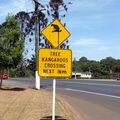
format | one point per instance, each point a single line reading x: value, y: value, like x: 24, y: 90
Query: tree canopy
x: 11, y: 46
x: 106, y: 68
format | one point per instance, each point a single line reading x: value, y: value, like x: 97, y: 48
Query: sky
x: 94, y: 25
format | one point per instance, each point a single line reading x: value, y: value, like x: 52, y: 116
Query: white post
x: 54, y: 92
x: 75, y: 75
x: 37, y: 80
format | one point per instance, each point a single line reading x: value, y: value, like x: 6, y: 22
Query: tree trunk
x: 1, y: 82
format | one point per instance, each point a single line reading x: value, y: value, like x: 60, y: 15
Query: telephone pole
x: 37, y: 37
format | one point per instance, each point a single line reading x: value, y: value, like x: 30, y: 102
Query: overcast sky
x: 94, y: 25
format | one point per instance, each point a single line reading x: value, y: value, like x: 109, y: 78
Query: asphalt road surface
x: 93, y: 100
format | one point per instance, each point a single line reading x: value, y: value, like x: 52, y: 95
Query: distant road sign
x: 55, y: 33
x: 54, y: 63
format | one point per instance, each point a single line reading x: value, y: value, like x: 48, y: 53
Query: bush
x: 12, y: 72
x: 28, y: 73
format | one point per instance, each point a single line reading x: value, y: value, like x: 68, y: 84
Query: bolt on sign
x: 55, y: 33
x: 54, y: 63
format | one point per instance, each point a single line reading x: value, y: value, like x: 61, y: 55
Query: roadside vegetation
x: 107, y: 68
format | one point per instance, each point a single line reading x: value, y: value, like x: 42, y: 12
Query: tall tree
x: 31, y: 64
x: 55, y: 7
x: 107, y: 64
x: 11, y: 46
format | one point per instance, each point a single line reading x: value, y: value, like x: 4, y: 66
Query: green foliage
x: 106, y: 68
x: 31, y: 64
x: 108, y: 64
x: 11, y: 47
x: 29, y: 73
x: 12, y: 72
x: 17, y: 73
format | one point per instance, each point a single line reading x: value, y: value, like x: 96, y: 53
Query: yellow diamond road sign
x: 54, y: 63
x: 55, y: 33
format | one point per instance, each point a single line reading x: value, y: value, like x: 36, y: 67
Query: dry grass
x: 28, y: 104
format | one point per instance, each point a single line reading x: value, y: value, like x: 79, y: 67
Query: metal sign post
x: 54, y: 96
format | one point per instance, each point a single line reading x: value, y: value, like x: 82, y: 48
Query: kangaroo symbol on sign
x: 56, y: 28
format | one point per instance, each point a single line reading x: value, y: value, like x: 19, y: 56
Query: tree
x: 83, y: 64
x: 11, y: 46
x: 31, y: 64
x: 83, y: 59
x: 95, y: 69
x: 105, y: 68
x: 107, y: 64
x: 27, y: 22
x: 55, y: 7
x: 117, y: 66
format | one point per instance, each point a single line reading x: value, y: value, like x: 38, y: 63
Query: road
x: 93, y: 100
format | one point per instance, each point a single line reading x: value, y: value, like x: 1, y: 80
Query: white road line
x: 93, y: 93
x: 91, y: 84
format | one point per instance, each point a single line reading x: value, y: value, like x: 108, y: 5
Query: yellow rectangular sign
x: 54, y: 63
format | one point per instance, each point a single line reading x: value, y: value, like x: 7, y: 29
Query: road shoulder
x: 30, y: 104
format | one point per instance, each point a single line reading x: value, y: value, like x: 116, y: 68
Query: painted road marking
x: 91, y: 84
x: 93, y: 93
